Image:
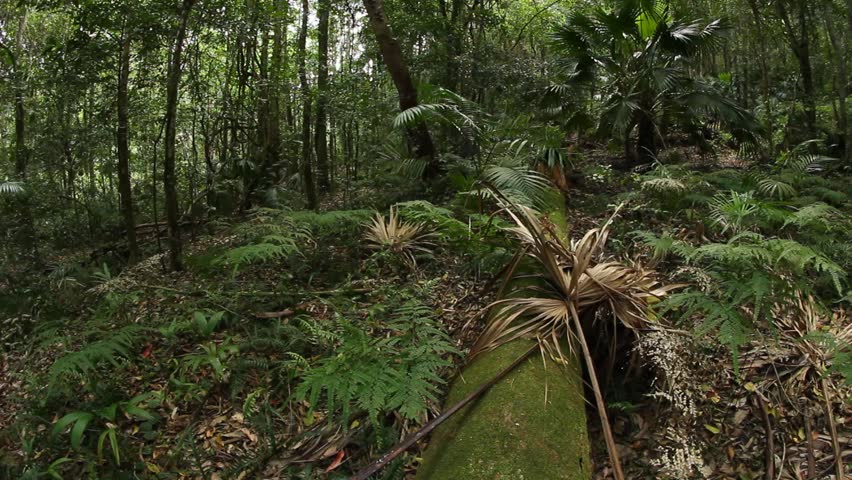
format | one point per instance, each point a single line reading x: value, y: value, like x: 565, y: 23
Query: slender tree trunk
x: 800, y: 45
x: 419, y: 139
x: 764, y: 74
x: 122, y: 135
x: 321, y: 136
x: 273, y: 153
x: 169, y: 179
x: 21, y: 152
x: 841, y: 79
x: 307, y: 169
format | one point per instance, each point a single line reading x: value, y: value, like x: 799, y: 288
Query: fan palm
x: 639, y: 53
x: 504, y: 153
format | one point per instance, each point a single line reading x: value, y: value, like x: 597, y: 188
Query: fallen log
x: 531, y: 425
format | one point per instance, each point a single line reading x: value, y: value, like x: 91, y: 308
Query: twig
x: 835, y: 442
x: 770, y: 438
x: 402, y: 446
x: 810, y: 445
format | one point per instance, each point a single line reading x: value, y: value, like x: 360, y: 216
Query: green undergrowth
x: 283, y: 317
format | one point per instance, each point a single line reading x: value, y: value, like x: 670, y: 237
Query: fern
x: 332, y: 222
x: 111, y: 349
x: 237, y: 258
x: 663, y: 245
x: 397, y: 371
x: 817, y: 214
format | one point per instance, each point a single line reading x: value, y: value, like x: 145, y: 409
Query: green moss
x: 530, y: 426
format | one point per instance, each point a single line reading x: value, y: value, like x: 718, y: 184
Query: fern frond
x: 110, y: 349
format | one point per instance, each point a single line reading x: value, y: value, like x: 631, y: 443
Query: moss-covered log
x: 529, y: 426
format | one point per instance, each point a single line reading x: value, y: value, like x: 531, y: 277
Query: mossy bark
x: 529, y: 426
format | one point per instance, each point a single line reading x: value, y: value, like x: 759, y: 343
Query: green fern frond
x: 110, y: 349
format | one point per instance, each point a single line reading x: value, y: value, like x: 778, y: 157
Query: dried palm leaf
x: 570, y: 277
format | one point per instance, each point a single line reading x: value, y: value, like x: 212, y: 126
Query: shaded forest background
x: 261, y: 238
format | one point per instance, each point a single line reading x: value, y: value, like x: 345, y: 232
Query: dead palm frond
x: 571, y: 283
x: 403, y: 239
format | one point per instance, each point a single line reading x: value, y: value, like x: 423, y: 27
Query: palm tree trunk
x: 531, y: 424
x: 646, y: 144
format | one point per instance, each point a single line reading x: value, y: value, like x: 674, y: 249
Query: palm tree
x: 636, y: 57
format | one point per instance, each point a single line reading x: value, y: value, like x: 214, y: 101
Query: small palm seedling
x: 401, y: 239
x: 572, y: 284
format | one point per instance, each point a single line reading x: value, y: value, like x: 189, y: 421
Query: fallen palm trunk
x: 404, y: 445
x: 510, y: 433
x: 530, y: 425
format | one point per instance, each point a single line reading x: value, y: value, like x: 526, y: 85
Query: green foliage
x: 397, y: 370
x: 743, y: 277
x: 269, y: 235
x: 206, y: 323
x: 110, y: 349
x: 334, y: 222
x: 640, y: 54
x: 108, y: 416
x: 212, y: 355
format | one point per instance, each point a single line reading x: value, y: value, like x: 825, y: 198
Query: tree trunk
x: 646, y: 144
x: 800, y: 45
x: 321, y: 136
x: 419, y: 139
x: 124, y: 185
x: 273, y: 153
x: 764, y: 75
x: 841, y: 80
x: 307, y: 170
x: 169, y: 179
x: 531, y: 424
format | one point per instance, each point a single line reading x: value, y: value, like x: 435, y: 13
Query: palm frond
x: 11, y: 187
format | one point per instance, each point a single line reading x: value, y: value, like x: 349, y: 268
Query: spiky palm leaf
x: 398, y: 237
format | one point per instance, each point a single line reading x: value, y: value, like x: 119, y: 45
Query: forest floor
x: 222, y: 406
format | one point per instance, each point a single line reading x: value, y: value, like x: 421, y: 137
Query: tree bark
x: 169, y: 179
x: 122, y: 145
x: 800, y: 45
x: 307, y: 169
x: 840, y: 80
x: 321, y: 136
x: 419, y: 139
